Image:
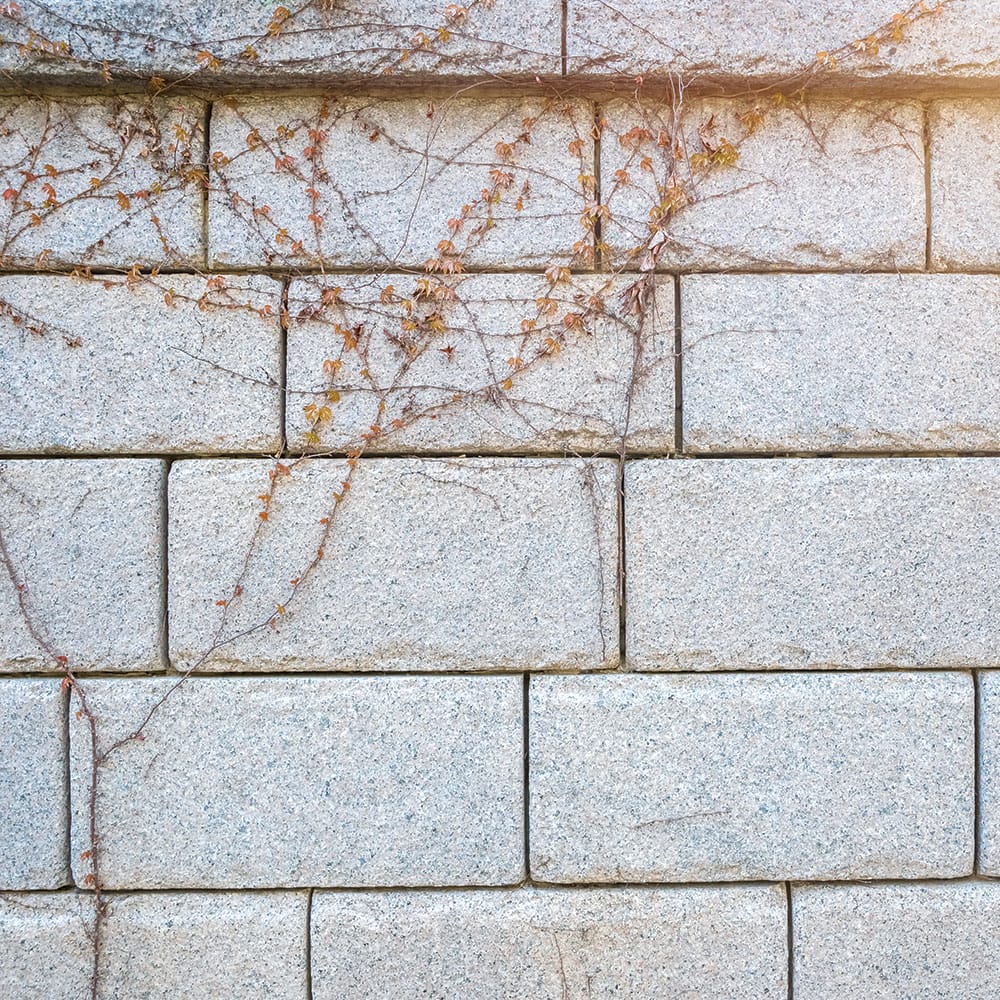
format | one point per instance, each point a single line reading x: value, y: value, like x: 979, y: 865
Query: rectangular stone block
x: 171, y: 364
x: 101, y: 181
x: 322, y: 43
x: 989, y: 773
x: 502, y: 375
x: 840, y: 362
x: 729, y: 42
x: 451, y: 564
x: 83, y: 537
x: 828, y: 184
x: 897, y: 942
x: 647, y: 778
x: 964, y: 198
x: 812, y: 563
x: 158, y: 946
x: 291, y: 782
x: 383, y: 182
x: 549, y: 944
x: 33, y: 792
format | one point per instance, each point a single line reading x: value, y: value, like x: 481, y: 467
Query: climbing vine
x: 398, y: 347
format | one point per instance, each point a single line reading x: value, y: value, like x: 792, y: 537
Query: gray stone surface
x: 965, y: 199
x: 157, y: 946
x: 204, y: 946
x: 451, y: 564
x: 142, y: 376
x: 840, y: 362
x: 129, y: 145
x: 389, y: 174
x: 723, y: 41
x: 45, y: 953
x: 989, y: 773
x: 579, y: 391
x: 812, y: 563
x: 550, y: 944
x: 897, y: 942
x: 828, y: 184
x: 84, y: 536
x: 33, y: 793
x: 322, y: 42
x: 290, y: 782
x: 647, y: 778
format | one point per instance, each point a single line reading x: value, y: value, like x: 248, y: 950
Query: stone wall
x: 605, y: 606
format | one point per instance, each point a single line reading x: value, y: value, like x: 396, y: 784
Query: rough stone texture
x: 549, y: 944
x: 840, y: 362
x: 574, y: 393
x: 812, y: 563
x: 45, y: 953
x: 141, y: 376
x: 819, y: 776
x: 989, y: 773
x: 828, y: 184
x: 130, y: 145
x: 965, y: 199
x: 897, y: 942
x: 388, y: 175
x: 731, y: 41
x: 429, y: 565
x: 322, y: 42
x: 157, y: 946
x: 84, y: 535
x: 289, y: 782
x: 33, y: 789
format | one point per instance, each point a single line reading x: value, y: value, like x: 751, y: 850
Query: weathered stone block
x: 454, y: 564
x: 156, y: 946
x: 846, y: 362
x: 825, y: 184
x: 548, y: 944
x: 897, y: 942
x: 763, y: 776
x: 989, y: 773
x: 84, y: 539
x: 104, y: 181
x: 45, y: 952
x: 376, y: 181
x: 729, y: 42
x: 289, y: 782
x: 320, y: 42
x: 91, y: 368
x: 965, y: 199
x: 812, y: 563
x: 579, y: 379
x: 33, y: 789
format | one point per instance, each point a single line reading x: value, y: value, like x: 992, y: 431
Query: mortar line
x: 309, y: 910
x: 723, y: 86
x: 789, y: 940
x: 206, y: 164
x: 93, y: 675
x: 546, y: 455
x: 678, y: 371
x: 976, y: 774
x: 925, y: 111
x: 526, y: 771
x: 598, y: 231
x: 68, y: 776
x: 283, y: 368
x: 416, y: 270
x: 554, y: 887
x: 622, y: 568
x: 564, y: 19
x: 164, y: 578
